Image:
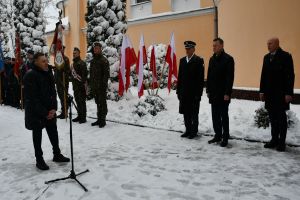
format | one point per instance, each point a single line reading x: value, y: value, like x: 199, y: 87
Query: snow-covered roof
x: 51, y: 26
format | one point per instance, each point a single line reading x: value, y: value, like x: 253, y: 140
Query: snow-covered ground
x: 128, y: 162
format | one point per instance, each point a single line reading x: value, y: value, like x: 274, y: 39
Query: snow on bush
x: 262, y: 120
x: 106, y: 22
x: 6, y: 28
x: 150, y: 105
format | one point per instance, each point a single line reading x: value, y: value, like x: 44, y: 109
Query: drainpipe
x: 216, y: 20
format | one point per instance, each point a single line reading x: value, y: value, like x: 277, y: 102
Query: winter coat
x: 79, y: 74
x: 277, y: 79
x: 190, y: 84
x: 39, y: 97
x: 220, y: 77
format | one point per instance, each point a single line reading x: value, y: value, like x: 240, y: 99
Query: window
x: 141, y: 1
x: 185, y: 5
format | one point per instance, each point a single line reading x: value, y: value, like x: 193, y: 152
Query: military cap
x: 76, y: 49
x: 97, y: 44
x: 189, y: 44
x: 30, y: 52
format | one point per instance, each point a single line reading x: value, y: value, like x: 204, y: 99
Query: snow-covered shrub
x: 106, y: 22
x: 262, y: 120
x: 6, y: 28
x: 30, y: 24
x: 150, y: 105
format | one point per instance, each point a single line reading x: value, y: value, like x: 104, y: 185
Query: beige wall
x: 199, y: 29
x: 246, y: 25
x: 160, y: 6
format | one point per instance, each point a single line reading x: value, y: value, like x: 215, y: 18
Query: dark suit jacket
x: 190, y: 83
x: 277, y: 79
x: 220, y: 77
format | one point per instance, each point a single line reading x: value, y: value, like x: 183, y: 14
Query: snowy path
x: 128, y: 163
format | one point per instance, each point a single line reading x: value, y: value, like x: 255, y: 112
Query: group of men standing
x: 276, y: 89
x: 41, y: 101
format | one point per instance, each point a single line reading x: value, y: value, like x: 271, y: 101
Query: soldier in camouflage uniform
x: 99, y: 74
x: 79, y: 77
x: 62, y: 84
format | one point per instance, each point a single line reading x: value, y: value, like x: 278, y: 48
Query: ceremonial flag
x: 171, y: 60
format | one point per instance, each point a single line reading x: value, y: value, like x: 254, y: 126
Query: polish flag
x: 153, y: 69
x: 142, y: 60
x: 128, y: 58
x: 172, y: 61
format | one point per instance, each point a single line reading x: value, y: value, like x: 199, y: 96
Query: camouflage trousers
x: 100, y: 100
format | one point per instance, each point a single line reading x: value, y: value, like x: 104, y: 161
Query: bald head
x: 273, y: 44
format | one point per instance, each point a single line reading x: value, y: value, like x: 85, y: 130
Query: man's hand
x: 51, y: 114
x: 288, y: 98
x: 262, y: 96
x: 226, y: 98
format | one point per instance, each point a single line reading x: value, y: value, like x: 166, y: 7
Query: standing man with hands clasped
x: 190, y: 88
x: 276, y: 90
x: 220, y: 79
x: 40, y: 109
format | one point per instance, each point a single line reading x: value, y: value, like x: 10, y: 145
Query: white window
x: 141, y: 8
x: 185, y: 5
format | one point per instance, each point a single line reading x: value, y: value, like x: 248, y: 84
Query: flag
x: 18, y: 62
x: 141, y: 61
x: 1, y: 57
x: 56, y: 48
x: 128, y: 58
x: 153, y: 68
x: 172, y: 61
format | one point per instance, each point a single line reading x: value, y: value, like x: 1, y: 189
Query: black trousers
x: 278, y: 121
x: 51, y: 129
x: 191, y: 122
x: 220, y: 120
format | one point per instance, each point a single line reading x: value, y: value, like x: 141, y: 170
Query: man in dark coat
x: 220, y: 79
x: 99, y: 74
x: 62, y: 85
x: 40, y: 109
x: 79, y: 77
x: 276, y: 89
x: 26, y: 66
x: 190, y: 88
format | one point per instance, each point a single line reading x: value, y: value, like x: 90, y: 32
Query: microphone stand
x: 72, y: 175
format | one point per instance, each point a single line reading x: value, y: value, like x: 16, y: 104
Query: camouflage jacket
x: 78, y: 72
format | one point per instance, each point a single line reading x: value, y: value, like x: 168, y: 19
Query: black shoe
x: 60, y: 158
x: 82, y: 121
x: 96, y: 123
x: 224, y: 143
x: 186, y: 134
x: 102, y: 124
x: 40, y: 164
x: 192, y: 136
x: 76, y: 119
x: 61, y: 116
x: 281, y: 148
x: 214, y: 140
x: 271, y: 145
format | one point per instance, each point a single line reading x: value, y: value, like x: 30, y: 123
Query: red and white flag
x: 128, y: 58
x: 56, y: 48
x: 172, y: 61
x: 18, y: 58
x: 154, y: 83
x: 142, y: 60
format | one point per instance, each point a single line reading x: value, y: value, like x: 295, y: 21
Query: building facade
x: 245, y: 26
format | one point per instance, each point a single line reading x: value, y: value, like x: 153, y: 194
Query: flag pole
x: 161, y: 77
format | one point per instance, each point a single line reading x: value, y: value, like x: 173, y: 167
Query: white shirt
x: 188, y: 59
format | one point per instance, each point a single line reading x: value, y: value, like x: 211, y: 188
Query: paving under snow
x: 127, y: 162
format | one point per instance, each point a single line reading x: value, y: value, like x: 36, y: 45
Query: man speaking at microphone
x: 40, y: 109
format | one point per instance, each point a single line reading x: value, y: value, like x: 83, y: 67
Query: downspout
x: 216, y: 20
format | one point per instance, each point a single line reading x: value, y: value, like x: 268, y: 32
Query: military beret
x: 76, y: 49
x: 97, y: 44
x: 189, y: 44
x: 30, y: 52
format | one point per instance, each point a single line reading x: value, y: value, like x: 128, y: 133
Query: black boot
x: 61, y: 116
x: 60, y: 158
x: 224, y: 143
x: 96, y: 123
x: 193, y: 135
x: 82, y: 121
x: 186, y: 134
x: 271, y: 145
x: 76, y: 119
x: 214, y: 140
x: 102, y: 124
x: 40, y: 164
x: 281, y: 148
